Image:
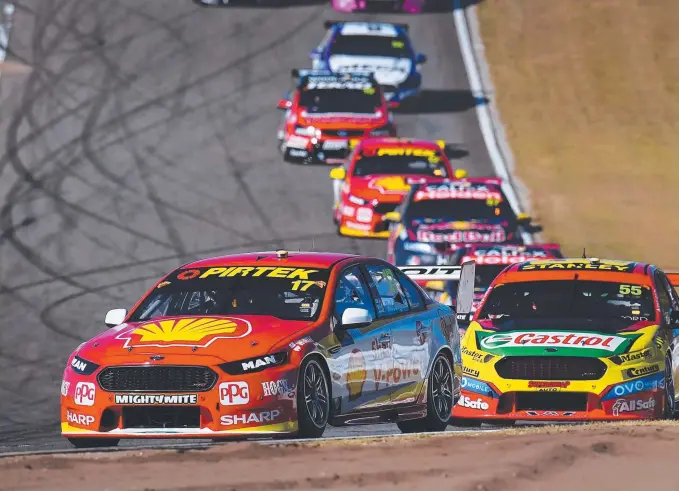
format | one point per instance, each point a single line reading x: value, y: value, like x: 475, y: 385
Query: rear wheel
x: 669, y: 407
x: 439, y: 400
x: 94, y: 442
x: 313, y: 400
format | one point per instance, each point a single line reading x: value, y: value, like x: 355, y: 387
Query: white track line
x: 483, y: 112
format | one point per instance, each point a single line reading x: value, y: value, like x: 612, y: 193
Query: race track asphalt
x: 141, y: 135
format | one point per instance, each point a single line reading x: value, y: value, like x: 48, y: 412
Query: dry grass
x: 589, y: 94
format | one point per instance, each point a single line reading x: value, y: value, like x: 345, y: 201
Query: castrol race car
x: 383, y: 50
x: 269, y: 343
x: 572, y: 339
x: 408, y: 6
x: 436, y: 218
x: 378, y: 175
x: 325, y: 112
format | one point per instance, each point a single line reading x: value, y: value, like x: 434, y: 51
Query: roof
x: 368, y: 29
x: 587, y: 269
x: 398, y: 143
x: 270, y: 258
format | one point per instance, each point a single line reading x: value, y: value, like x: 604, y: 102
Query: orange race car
x: 377, y: 177
x: 270, y: 343
x: 572, y: 339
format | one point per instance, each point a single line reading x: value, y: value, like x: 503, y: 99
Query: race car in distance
x: 326, y: 111
x: 269, y: 343
x: 490, y: 260
x: 438, y: 217
x: 408, y: 6
x: 572, y: 339
x: 377, y: 177
x: 382, y: 49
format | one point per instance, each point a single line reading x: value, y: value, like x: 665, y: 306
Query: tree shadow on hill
x: 441, y: 101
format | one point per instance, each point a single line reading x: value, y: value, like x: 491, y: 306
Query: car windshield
x: 290, y: 293
x: 486, y: 274
x: 318, y: 101
x: 569, y: 299
x: 459, y: 209
x: 365, y: 45
x: 403, y: 164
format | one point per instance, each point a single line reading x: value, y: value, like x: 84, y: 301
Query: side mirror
x: 338, y: 173
x: 523, y: 218
x: 460, y: 173
x: 115, y: 317
x: 392, y: 216
x: 284, y: 104
x: 420, y: 58
x: 354, y: 317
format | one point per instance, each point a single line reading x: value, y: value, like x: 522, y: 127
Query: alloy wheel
x: 442, y: 389
x: 669, y: 389
x: 316, y: 394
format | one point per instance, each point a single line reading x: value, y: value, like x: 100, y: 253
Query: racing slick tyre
x: 439, y: 400
x: 669, y: 409
x: 94, y: 442
x: 313, y: 400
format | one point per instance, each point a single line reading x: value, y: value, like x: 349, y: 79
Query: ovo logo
x: 190, y: 332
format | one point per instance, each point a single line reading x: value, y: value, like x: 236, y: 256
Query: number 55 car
x: 270, y: 343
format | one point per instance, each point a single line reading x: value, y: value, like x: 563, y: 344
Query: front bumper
x: 361, y: 221
x: 262, y: 403
x: 324, y: 150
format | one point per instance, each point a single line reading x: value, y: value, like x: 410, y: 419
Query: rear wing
x: 328, y: 24
x: 463, y: 274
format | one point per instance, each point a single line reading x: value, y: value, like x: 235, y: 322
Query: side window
x: 663, y: 297
x: 411, y: 291
x: 352, y: 291
x: 389, y: 290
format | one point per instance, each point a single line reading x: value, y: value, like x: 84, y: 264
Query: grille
x: 161, y: 417
x: 551, y: 401
x: 344, y: 133
x: 382, y: 208
x: 157, y: 379
x: 550, y: 368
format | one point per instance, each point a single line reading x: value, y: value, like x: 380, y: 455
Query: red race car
x: 326, y: 112
x: 268, y: 343
x: 378, y: 175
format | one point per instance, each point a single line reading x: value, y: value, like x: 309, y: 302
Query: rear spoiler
x: 673, y: 276
x: 464, y: 274
x: 332, y: 23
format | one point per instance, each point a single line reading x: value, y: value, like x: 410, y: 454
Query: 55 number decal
x: 630, y: 290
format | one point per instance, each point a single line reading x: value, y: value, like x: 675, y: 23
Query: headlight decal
x: 255, y: 364
x: 82, y: 366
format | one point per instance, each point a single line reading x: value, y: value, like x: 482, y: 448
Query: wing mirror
x: 523, y: 218
x: 315, y: 53
x: 115, y: 317
x: 284, y: 104
x: 338, y: 173
x: 420, y: 59
x: 354, y: 317
x: 392, y: 216
x: 460, y: 173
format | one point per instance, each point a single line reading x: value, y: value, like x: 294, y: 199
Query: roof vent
x: 280, y: 253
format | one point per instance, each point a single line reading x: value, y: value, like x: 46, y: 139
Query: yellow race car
x: 572, y: 339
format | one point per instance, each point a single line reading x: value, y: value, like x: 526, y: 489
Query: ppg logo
x: 234, y: 393
x: 84, y: 394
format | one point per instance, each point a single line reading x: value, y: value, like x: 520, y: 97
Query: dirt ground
x: 578, y: 458
x: 589, y: 95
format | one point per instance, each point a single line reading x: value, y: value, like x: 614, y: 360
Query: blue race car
x: 382, y: 49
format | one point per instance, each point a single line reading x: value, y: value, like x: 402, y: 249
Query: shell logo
x: 356, y: 374
x: 389, y: 185
x: 200, y: 332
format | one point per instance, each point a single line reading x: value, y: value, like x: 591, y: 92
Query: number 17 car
x: 270, y: 343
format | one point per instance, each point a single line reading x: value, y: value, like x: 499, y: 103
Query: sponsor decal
x: 473, y: 385
x: 645, y: 354
x: 653, y: 382
x: 647, y: 370
x: 242, y: 271
x: 248, y: 418
x: 538, y: 384
x: 572, y: 340
x: 234, y: 393
x: 64, y: 387
x: 631, y: 406
x: 156, y: 399
x: 85, y: 393
x: 265, y: 361
x: 458, y: 236
x: 300, y: 343
x: 358, y: 226
x: 257, y: 364
x: 474, y: 355
x: 81, y: 419
x: 199, y: 332
x: 617, y: 266
x: 276, y: 388
x: 409, y: 369
x: 469, y: 403
x: 389, y: 185
x: 83, y: 367
x: 356, y: 374
x: 460, y: 191
x: 338, y: 84
x: 470, y: 371
x: 550, y: 413
x: 295, y: 152
x: 335, y: 144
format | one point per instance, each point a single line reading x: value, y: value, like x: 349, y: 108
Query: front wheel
x: 313, y: 400
x: 669, y: 407
x: 94, y: 442
x: 439, y: 400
